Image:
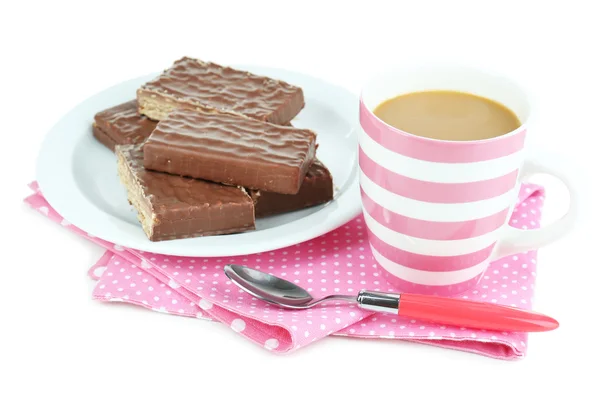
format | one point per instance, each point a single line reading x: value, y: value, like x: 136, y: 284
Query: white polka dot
x: 271, y: 344
x: 238, y: 325
x: 118, y: 248
x: 44, y: 210
x: 64, y: 222
x: 205, y: 304
x: 98, y: 271
x: 145, y: 264
x: 174, y: 284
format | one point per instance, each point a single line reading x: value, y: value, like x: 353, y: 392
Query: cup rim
x: 521, y: 86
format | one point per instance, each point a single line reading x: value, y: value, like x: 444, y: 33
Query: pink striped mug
x: 437, y: 211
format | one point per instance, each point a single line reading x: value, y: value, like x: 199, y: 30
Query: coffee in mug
x: 448, y: 115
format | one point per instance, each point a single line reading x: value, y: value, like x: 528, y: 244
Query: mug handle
x: 515, y: 240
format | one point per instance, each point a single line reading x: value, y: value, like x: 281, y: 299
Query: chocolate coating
x: 103, y: 137
x: 191, y: 83
x: 173, y: 207
x: 122, y: 124
x: 317, y: 188
x: 231, y: 149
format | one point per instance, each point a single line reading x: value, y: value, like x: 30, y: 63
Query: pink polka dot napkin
x: 337, y: 262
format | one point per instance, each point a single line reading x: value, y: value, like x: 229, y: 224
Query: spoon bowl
x: 275, y: 290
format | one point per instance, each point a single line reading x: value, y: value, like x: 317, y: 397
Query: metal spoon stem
x: 333, y: 297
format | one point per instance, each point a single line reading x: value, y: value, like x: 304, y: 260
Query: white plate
x: 78, y: 176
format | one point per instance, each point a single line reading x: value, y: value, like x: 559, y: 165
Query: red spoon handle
x: 472, y: 314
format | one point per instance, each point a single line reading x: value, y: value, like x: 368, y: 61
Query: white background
x: 56, y: 342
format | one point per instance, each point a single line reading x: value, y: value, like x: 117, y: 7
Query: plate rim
x: 302, y: 230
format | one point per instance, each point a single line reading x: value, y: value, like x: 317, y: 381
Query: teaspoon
x: 442, y: 310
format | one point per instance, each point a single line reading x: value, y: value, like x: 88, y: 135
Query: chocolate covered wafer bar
x: 194, y: 84
x: 173, y: 207
x: 122, y: 124
x: 231, y: 149
x: 317, y: 188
